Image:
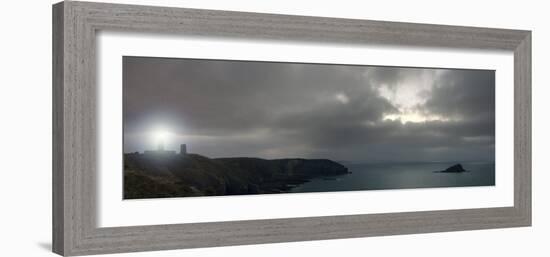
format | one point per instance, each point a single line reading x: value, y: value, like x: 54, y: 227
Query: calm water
x: 402, y: 175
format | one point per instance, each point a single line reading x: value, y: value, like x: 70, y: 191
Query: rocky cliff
x: 195, y: 175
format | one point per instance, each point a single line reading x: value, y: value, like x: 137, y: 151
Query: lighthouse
x: 183, y: 149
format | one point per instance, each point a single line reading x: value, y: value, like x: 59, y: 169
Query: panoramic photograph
x: 200, y: 127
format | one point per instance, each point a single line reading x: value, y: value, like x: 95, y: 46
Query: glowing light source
x: 161, y: 137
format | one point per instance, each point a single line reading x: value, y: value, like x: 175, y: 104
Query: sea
x: 378, y: 176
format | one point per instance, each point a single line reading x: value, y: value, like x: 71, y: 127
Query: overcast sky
x: 287, y: 110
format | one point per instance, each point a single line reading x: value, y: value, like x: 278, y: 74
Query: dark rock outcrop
x: 457, y: 168
x: 196, y: 175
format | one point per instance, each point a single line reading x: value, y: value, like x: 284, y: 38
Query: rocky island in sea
x: 457, y: 168
x: 162, y: 173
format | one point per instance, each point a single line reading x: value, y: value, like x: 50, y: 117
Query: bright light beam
x: 161, y: 137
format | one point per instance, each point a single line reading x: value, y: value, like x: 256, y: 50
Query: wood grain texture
x: 74, y: 120
x: 58, y: 218
x: 522, y: 128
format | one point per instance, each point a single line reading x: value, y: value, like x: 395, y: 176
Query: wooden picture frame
x: 75, y: 25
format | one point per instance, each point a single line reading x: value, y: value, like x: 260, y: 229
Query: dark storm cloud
x: 464, y: 94
x: 212, y: 95
x: 276, y: 110
x: 392, y: 76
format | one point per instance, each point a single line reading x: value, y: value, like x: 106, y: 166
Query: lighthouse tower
x: 183, y: 149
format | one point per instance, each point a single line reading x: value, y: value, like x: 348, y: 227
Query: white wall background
x: 25, y: 128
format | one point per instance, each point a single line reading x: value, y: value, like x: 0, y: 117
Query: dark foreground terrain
x: 155, y: 176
